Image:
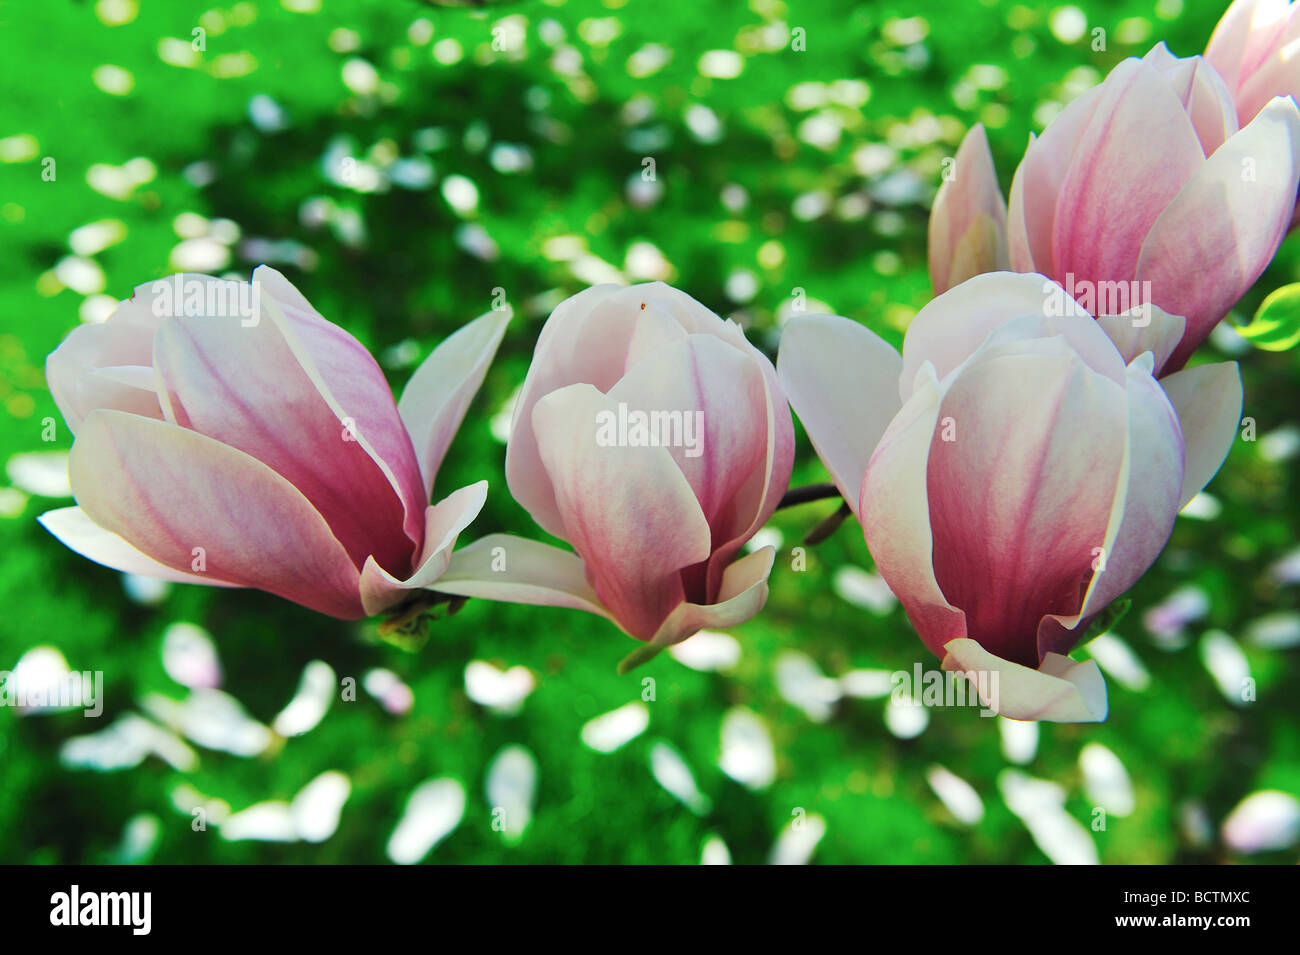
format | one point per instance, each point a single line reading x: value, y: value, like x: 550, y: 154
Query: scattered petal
x: 617, y: 728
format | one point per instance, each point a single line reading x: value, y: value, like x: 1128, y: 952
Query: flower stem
x: 812, y: 492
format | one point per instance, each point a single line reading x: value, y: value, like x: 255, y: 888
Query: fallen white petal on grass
x: 1119, y: 661
x: 958, y: 796
x: 1106, y: 782
x: 1041, y: 807
x: 715, y: 852
x: 511, y: 789
x: 1019, y: 740
x: 432, y: 812
x: 801, y: 683
x: 311, y: 701
x: 708, y: 651
x: 42, y: 473
x: 671, y: 772
x: 746, y: 754
x: 213, y: 719
x: 190, y: 657
x: 798, y: 840
x: 864, y: 589
x: 1225, y: 661
x: 1265, y: 821
x: 617, y: 728
x: 501, y: 691
x: 318, y: 805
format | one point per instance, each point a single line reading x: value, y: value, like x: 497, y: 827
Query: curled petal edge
x: 1061, y: 690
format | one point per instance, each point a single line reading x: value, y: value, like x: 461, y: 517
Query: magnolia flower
x: 1143, y: 191
x: 655, y: 439
x: 1013, y: 475
x: 968, y: 221
x: 228, y: 434
x: 1254, y: 48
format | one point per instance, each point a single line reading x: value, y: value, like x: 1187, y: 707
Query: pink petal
x: 1061, y: 690
x: 841, y: 380
x: 1144, y: 329
x: 516, y: 570
x: 741, y: 596
x: 1217, y: 236
x: 728, y: 467
x: 1276, y: 73
x: 1203, y: 93
x: 1243, y: 38
x: 86, y: 372
x: 76, y: 531
x: 895, y: 518
x: 167, y: 490
x: 1207, y: 400
x: 443, y: 523
x: 1114, y: 192
x: 1022, y: 495
x: 585, y: 340
x: 1037, y: 183
x: 247, y: 387
x: 968, y: 219
x: 1009, y: 305
x: 1145, y: 506
x: 439, y: 392
x: 628, y: 511
x: 352, y: 384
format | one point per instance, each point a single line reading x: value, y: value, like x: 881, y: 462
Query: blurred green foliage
x: 325, y: 136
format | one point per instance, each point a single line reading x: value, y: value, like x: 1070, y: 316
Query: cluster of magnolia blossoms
x: 1014, y: 470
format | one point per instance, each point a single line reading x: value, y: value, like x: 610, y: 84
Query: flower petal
x: 1115, y: 190
x: 1203, y: 93
x: 353, y: 386
x: 585, y: 340
x: 90, y: 369
x: 443, y: 522
x: 1021, y: 481
x: 1061, y: 690
x: 1145, y: 506
x: 246, y: 386
x: 1215, y: 239
x: 1244, y: 36
x: 841, y: 379
x: 434, y: 402
x: 76, y: 531
x: 741, y: 596
x: 1142, y: 329
x: 516, y: 570
x: 1031, y: 208
x: 1207, y: 400
x: 967, y: 233
x: 167, y: 490
x: 895, y: 517
x: 1005, y: 305
x: 628, y: 511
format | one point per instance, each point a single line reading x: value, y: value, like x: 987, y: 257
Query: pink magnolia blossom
x: 1143, y: 190
x: 968, y: 221
x: 228, y: 434
x: 1012, y: 472
x: 1254, y: 48
x: 655, y: 512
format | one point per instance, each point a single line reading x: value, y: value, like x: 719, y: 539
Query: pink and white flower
x: 1143, y: 190
x: 654, y: 523
x: 228, y: 434
x: 1012, y: 472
